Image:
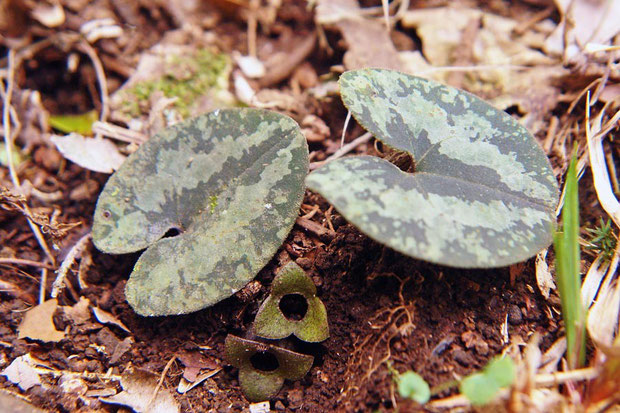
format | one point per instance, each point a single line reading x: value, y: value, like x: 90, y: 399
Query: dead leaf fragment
x: 22, y: 372
x: 138, y: 389
x: 106, y: 318
x: 38, y: 324
x: 50, y: 15
x: 96, y: 154
x: 79, y: 313
x: 14, y: 403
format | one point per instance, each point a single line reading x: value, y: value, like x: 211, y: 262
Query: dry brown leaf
x: 106, y: 318
x: 39, y: 325
x: 185, y: 386
x: 96, y: 154
x: 138, y: 390
x: 591, y: 21
x: 79, y: 313
x: 22, y: 372
x: 15, y: 403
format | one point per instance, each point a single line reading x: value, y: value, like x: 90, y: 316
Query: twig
x: 22, y: 261
x: 161, y: 380
x: 344, y: 128
x: 42, y: 286
x: 101, y: 78
x: 8, y: 141
x: 119, y: 133
x: 6, y: 122
x: 344, y: 150
x: 67, y: 263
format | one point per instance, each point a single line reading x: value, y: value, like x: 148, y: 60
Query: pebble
x: 295, y: 398
x: 463, y: 358
x: 515, y: 317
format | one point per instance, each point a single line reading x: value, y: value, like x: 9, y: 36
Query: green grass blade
x: 567, y: 270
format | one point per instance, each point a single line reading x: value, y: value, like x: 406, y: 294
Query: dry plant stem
x: 252, y: 26
x: 21, y: 261
x: 119, y: 133
x: 344, y: 150
x: 161, y: 380
x: 602, y: 184
x: 8, y: 142
x: 43, y: 284
x: 101, y: 78
x: 75, y: 251
x: 344, y: 128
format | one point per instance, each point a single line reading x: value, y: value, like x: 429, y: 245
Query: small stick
x: 119, y: 133
x: 161, y: 380
x: 8, y: 141
x: 344, y: 128
x: 344, y: 150
x: 22, y: 261
x: 42, y: 286
x: 103, y: 84
x: 67, y: 263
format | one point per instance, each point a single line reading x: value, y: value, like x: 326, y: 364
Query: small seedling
x: 412, y: 386
x: 603, y: 241
x: 566, y: 244
x: 230, y: 183
x: 263, y: 367
x: 482, y: 387
x: 481, y: 192
x: 308, y: 324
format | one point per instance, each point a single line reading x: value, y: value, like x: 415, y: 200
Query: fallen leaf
x: 106, y: 318
x: 81, y: 123
x: 185, y: 386
x: 591, y: 21
x: 38, y: 324
x: 14, y: 403
x: 50, y: 15
x: 96, y: 154
x: 138, y: 390
x: 79, y: 313
x: 22, y: 372
x: 120, y: 349
x: 194, y: 362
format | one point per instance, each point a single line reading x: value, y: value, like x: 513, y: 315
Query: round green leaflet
x: 482, y: 194
x: 231, y: 183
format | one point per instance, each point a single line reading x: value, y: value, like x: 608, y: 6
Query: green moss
x: 186, y: 78
x: 212, y: 203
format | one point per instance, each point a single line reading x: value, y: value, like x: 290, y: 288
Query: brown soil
x: 383, y: 308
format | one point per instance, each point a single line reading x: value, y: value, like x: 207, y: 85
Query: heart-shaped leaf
x: 482, y: 194
x: 272, y: 323
x: 256, y: 384
x: 230, y: 182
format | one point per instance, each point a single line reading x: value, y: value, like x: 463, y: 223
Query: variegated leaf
x: 230, y: 181
x: 482, y: 193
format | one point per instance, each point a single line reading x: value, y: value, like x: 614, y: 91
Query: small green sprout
x: 412, y: 386
x: 567, y: 257
x: 603, y: 240
x: 482, y: 387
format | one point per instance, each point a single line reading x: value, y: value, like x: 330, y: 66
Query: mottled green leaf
x: 81, y: 123
x: 482, y: 193
x: 272, y: 323
x: 230, y: 181
x: 258, y: 385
